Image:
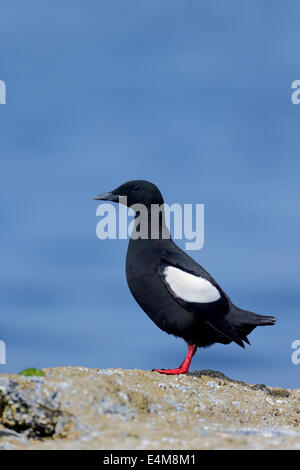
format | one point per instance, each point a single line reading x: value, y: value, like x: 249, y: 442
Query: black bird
x: 173, y: 290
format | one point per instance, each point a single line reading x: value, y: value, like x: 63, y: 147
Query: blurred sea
x: 194, y: 96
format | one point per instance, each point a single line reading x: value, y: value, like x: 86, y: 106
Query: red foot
x: 180, y: 370
x: 184, y: 367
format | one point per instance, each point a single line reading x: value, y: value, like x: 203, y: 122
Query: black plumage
x: 178, y: 294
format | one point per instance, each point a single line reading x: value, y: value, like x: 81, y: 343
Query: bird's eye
x: 136, y: 188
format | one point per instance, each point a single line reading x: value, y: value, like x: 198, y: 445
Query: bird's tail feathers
x: 239, y: 317
x: 244, y: 321
x: 260, y: 320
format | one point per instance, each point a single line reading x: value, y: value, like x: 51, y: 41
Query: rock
x: 32, y: 406
x: 80, y: 408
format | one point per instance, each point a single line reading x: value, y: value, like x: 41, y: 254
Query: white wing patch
x: 189, y: 287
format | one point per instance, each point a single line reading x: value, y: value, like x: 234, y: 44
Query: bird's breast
x: 152, y: 296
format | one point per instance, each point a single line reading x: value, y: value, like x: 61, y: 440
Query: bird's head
x: 136, y: 192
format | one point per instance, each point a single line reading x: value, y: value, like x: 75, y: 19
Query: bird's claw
x: 178, y: 371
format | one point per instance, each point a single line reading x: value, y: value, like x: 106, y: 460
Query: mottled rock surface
x: 79, y: 408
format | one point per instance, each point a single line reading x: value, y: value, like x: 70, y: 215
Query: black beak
x: 107, y: 197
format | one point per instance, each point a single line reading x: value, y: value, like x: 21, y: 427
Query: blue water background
x: 194, y: 96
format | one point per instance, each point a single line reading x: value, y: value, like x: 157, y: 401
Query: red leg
x: 184, y: 367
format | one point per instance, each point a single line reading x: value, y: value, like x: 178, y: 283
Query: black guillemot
x: 179, y: 296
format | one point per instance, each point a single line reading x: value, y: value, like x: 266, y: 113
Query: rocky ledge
x: 80, y: 408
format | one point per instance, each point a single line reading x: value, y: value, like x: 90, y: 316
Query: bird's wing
x: 195, y: 290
